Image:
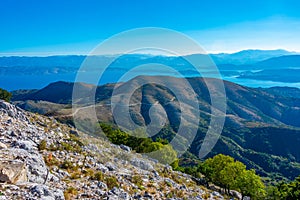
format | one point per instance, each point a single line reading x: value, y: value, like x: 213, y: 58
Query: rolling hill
x: 261, y: 127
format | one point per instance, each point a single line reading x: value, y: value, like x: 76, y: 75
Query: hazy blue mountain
x: 248, y: 56
x: 279, y: 69
x: 282, y: 62
x: 45, y: 70
x: 17, y: 64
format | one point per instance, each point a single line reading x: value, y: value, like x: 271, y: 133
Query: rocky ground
x: 43, y: 159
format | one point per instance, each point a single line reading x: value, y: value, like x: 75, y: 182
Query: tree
x: 152, y: 146
x: 212, y: 168
x: 166, y: 154
x: 272, y: 193
x: 139, y: 142
x: 5, y: 95
x: 250, y: 184
x: 294, y: 192
x: 229, y: 174
x: 289, y: 191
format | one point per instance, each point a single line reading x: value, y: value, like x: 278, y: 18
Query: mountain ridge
x: 251, y: 113
x: 234, y: 67
x: 76, y: 60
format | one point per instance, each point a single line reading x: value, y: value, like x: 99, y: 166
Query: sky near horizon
x: 52, y: 27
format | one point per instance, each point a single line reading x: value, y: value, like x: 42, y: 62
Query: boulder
x: 3, y: 146
x: 102, y: 185
x: 111, y: 166
x: 125, y: 148
x: 73, y: 132
x: 142, y: 164
x: 13, y: 171
x: 35, y: 165
x: 235, y: 194
x: 44, y: 192
x: 5, y: 105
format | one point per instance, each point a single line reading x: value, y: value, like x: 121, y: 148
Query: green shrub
x: 139, y: 142
x: 69, y: 166
x: 98, y: 176
x: 137, y: 180
x: 51, y: 161
x: 75, y: 139
x: 5, y: 95
x: 70, y: 147
x: 68, y: 193
x: 88, y: 172
x: 111, y: 182
x: 42, y: 145
x: 76, y: 175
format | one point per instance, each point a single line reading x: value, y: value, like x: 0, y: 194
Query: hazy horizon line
x: 50, y: 54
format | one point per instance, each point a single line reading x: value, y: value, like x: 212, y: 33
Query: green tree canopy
x: 139, y: 142
x: 212, y: 167
x: 229, y: 174
x: 288, y: 191
x: 5, y: 95
x: 250, y: 184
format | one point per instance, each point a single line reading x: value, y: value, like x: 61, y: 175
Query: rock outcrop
x: 12, y: 171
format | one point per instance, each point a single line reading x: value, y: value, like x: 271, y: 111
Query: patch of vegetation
x: 42, y: 145
x: 5, y: 95
x: 137, y: 180
x: 70, y: 192
x: 111, y: 182
x: 138, y: 141
x: 177, y: 179
x: 76, y: 175
x: 51, y: 161
x: 288, y: 191
x: 99, y: 176
x: 168, y: 183
x: 74, y: 147
x: 205, y: 196
x: 68, y: 165
x: 124, y: 156
x: 88, y: 172
x: 76, y: 140
x: 179, y: 193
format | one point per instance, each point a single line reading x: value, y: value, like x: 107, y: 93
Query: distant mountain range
x: 249, y: 56
x: 74, y: 61
x: 270, y: 65
x: 262, y: 127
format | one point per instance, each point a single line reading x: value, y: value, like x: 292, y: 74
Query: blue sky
x: 47, y: 27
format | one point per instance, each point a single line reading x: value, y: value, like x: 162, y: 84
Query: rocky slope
x: 43, y: 159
